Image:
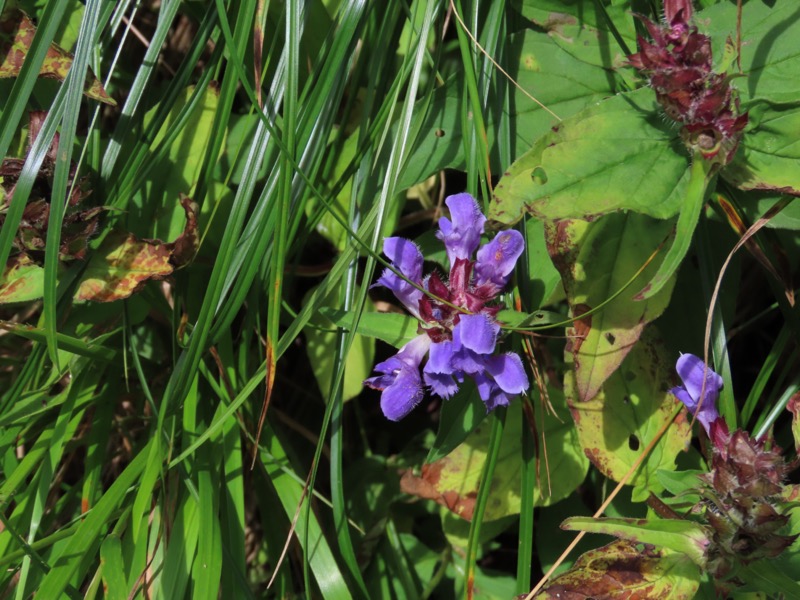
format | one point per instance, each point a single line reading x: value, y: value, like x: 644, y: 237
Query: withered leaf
x: 123, y: 263
x: 16, y: 35
x: 22, y: 280
x: 629, y: 571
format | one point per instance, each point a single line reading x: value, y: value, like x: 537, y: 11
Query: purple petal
x: 407, y: 259
x: 508, y: 372
x: 496, y: 259
x: 691, y: 369
x: 438, y: 371
x: 490, y: 392
x: 477, y: 333
x: 400, y: 379
x: 681, y: 394
x: 442, y: 385
x: 462, y: 235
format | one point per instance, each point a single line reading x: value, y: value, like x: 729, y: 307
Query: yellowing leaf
x: 597, y: 260
x: 16, y: 35
x: 123, y: 263
x: 22, y: 280
x: 625, y: 570
x: 453, y: 481
x: 617, y: 425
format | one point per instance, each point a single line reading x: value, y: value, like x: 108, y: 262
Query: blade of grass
x: 74, y: 83
x: 492, y: 452
x: 396, y: 159
x: 87, y: 537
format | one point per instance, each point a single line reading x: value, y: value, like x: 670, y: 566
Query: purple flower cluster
x: 458, y: 330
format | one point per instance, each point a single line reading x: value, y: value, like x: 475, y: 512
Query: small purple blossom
x: 458, y: 330
x: 690, y: 369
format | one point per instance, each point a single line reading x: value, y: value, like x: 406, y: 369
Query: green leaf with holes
x: 615, y: 155
x: 597, y: 261
x: 619, y: 423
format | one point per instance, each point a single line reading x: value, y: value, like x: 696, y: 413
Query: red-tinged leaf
x: 185, y: 246
x: 633, y: 405
x: 793, y: 406
x: 781, y: 271
x: 597, y: 260
x: 22, y: 280
x: 121, y: 266
x: 625, y: 570
x: 123, y: 263
x: 16, y: 35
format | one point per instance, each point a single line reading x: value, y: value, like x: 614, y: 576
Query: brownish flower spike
x: 678, y: 65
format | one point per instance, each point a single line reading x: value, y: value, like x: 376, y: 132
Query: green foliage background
x: 132, y: 457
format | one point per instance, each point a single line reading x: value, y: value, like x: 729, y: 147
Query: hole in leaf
x: 633, y: 443
x: 539, y: 176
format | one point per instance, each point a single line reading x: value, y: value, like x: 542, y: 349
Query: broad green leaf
x: 22, y: 281
x: 178, y: 171
x: 292, y: 495
x: 680, y: 482
x: 596, y: 261
x: 770, y: 55
x: 769, y: 155
x: 759, y: 203
x: 615, y: 155
x: 541, y: 318
x: 392, y: 328
x: 541, y: 281
x: 617, y: 425
x: 489, y: 584
x: 686, y: 537
x: 321, y: 350
x: 556, y: 79
x: 453, y: 480
x: 581, y: 28
x: 623, y: 569
x: 691, y: 206
x: 767, y: 576
x: 16, y: 34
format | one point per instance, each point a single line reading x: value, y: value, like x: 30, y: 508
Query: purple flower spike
x: 461, y: 236
x: 400, y: 380
x: 457, y: 317
x: 407, y: 259
x: 690, y: 369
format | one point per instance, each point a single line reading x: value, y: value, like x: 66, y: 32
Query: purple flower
x: 690, y: 369
x: 457, y: 327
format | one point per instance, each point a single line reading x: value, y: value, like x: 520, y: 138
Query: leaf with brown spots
x: 597, y: 260
x: 121, y: 266
x: 453, y: 481
x: 623, y: 570
x: 123, y: 263
x: 634, y: 403
x: 16, y: 35
x: 22, y: 281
